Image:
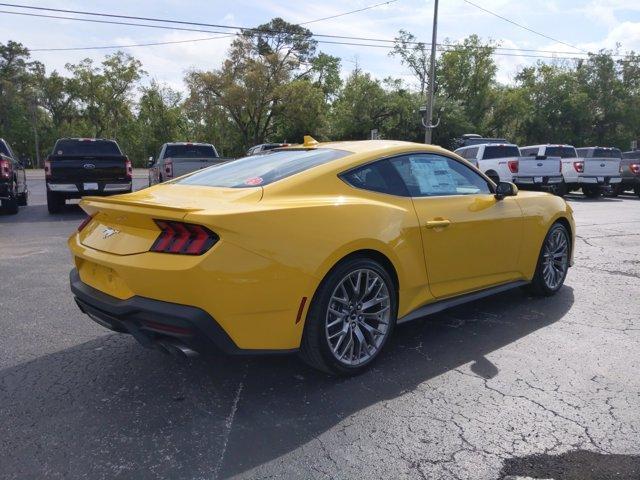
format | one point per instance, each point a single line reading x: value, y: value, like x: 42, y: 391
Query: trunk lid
x: 533, y: 167
x: 601, y: 167
x: 124, y: 224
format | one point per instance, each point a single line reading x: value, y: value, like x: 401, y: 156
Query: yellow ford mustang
x: 320, y: 248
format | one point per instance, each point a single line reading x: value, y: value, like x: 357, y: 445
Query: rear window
x: 260, y: 170
x: 607, y: 153
x: 500, y: 151
x: 86, y: 148
x: 562, y: 152
x: 190, y: 151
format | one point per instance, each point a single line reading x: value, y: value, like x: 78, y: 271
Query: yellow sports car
x: 320, y: 248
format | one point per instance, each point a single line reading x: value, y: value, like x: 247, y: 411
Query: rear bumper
x: 593, y: 180
x: 151, y: 321
x: 547, y: 181
x: 76, y: 190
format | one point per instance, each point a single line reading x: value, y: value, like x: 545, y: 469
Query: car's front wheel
x: 351, y: 317
x: 553, y: 262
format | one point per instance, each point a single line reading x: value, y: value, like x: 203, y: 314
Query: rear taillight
x: 6, y: 169
x: 168, y: 168
x: 183, y: 238
x: 84, y: 223
x: 635, y: 168
x: 47, y: 168
x: 513, y: 166
x: 129, y: 167
x: 578, y: 166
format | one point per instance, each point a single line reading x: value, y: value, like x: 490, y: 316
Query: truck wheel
x: 592, y: 191
x: 560, y: 190
x: 54, y: 202
x: 10, y: 205
x: 636, y: 190
x: 616, y: 190
x: 23, y: 198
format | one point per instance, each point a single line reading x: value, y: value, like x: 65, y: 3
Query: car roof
x: 504, y: 144
x: 189, y: 143
x: 549, y: 145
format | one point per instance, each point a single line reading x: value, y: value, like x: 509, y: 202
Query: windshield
x: 607, y: 153
x: 562, y: 152
x: 500, y: 151
x: 190, y: 151
x: 86, y: 148
x: 261, y: 170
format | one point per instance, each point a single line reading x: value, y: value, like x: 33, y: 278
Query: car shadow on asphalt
x: 573, y: 465
x: 39, y: 213
x: 109, y: 408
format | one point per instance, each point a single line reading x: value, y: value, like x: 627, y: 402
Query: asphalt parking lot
x: 506, y: 387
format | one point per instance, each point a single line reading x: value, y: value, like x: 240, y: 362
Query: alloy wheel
x: 555, y: 260
x: 358, y: 317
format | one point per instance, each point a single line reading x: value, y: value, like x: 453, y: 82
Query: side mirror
x: 150, y: 162
x: 506, y: 189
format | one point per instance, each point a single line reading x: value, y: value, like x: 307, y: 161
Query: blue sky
x: 588, y: 24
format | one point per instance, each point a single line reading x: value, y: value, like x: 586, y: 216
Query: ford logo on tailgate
x: 539, y: 164
x: 89, y: 166
x: 602, y: 164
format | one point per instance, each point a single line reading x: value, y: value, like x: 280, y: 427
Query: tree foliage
x: 274, y: 85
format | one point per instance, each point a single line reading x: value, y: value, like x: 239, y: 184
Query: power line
x: 348, y: 13
x: 523, y: 26
x: 442, y: 47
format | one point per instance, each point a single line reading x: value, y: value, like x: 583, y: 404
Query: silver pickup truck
x: 179, y: 158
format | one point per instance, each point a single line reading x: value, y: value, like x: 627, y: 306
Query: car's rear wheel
x: 616, y: 190
x: 636, y: 190
x: 553, y: 262
x: 350, y: 319
x: 55, y: 202
x: 23, y: 198
x: 560, y: 189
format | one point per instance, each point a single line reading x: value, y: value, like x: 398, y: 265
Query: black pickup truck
x: 13, y: 181
x: 85, y: 166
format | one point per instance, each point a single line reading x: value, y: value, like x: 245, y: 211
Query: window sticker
x: 434, y: 176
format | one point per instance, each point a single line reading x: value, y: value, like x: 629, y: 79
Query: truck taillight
x: 635, y: 168
x: 129, y: 167
x: 183, y: 238
x: 168, y: 168
x: 513, y: 166
x: 47, y: 168
x: 578, y: 166
x: 6, y: 169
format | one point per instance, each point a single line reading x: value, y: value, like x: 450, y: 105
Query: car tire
x: 616, y: 190
x: 592, y: 191
x: 23, y: 198
x: 553, y: 262
x: 10, y: 205
x: 55, y: 203
x: 338, y: 318
x: 636, y: 190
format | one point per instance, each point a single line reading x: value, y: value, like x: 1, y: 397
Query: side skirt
x: 440, y: 305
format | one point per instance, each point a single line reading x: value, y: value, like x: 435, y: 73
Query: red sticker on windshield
x: 253, y: 181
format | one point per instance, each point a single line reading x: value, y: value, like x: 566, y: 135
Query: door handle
x: 437, y: 223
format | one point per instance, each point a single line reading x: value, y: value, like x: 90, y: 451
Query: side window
x: 463, y: 153
x: 427, y: 175
x: 473, y: 152
x: 378, y: 177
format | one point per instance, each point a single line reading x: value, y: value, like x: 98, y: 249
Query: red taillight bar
x: 183, y: 238
x: 168, y: 168
x: 513, y: 166
x: 47, y: 168
x: 129, y: 167
x: 635, y: 168
x: 85, y: 222
x: 578, y: 166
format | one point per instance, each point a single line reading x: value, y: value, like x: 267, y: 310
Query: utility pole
x: 428, y: 120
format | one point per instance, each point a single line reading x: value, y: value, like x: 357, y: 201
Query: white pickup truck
x: 592, y: 169
x: 179, y: 158
x: 502, y: 162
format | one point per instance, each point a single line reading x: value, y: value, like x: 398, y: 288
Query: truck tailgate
x: 86, y: 168
x: 182, y: 166
x: 532, y: 167
x: 602, y: 167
